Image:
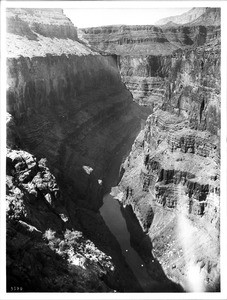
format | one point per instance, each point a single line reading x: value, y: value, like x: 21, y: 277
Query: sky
x: 87, y: 17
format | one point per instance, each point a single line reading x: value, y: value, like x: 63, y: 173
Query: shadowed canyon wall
x: 67, y: 104
x: 62, y: 104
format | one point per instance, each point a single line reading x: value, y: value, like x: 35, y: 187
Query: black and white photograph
x: 114, y: 180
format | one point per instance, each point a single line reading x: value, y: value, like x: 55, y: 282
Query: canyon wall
x: 171, y: 177
x: 145, y: 52
x: 145, y: 77
x: 150, y: 39
x: 33, y: 23
x: 67, y: 104
x: 62, y: 103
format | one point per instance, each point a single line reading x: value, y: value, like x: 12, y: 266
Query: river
x: 112, y: 215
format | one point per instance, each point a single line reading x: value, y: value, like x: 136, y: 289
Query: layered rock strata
x: 196, y: 27
x: 174, y: 192
x: 145, y: 77
x: 171, y: 177
x: 53, y: 100
x: 145, y: 52
x: 62, y: 95
x: 194, y: 15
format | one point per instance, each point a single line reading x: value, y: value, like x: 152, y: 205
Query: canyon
x: 171, y: 177
x: 136, y: 108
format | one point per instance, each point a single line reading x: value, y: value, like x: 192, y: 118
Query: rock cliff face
x: 61, y: 96
x: 44, y: 251
x: 172, y: 174
x: 199, y: 15
x: 187, y: 17
x: 147, y: 40
x: 125, y: 39
x: 145, y: 52
x: 53, y: 100
x: 148, y: 77
x: 145, y: 77
x: 31, y: 23
x: 62, y: 105
x: 193, y: 28
x: 171, y: 177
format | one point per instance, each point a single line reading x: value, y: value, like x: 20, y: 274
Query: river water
x: 112, y: 215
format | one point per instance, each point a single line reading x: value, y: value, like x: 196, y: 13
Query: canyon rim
x: 113, y: 154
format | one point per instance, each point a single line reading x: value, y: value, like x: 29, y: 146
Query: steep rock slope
x: 30, y: 23
x: 187, y: 17
x: 198, y: 15
x: 124, y: 39
x: 212, y: 16
x: 146, y: 39
x: 144, y: 52
x: 61, y: 96
x: 145, y: 77
x: 44, y: 251
x: 171, y: 176
x: 54, y: 99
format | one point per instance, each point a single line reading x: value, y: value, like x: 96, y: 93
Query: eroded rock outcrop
x: 48, y: 245
x: 44, y: 252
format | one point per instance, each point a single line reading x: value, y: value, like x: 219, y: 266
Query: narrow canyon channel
x: 114, y: 219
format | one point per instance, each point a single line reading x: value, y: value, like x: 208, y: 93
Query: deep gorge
x: 81, y: 122
x: 59, y: 109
